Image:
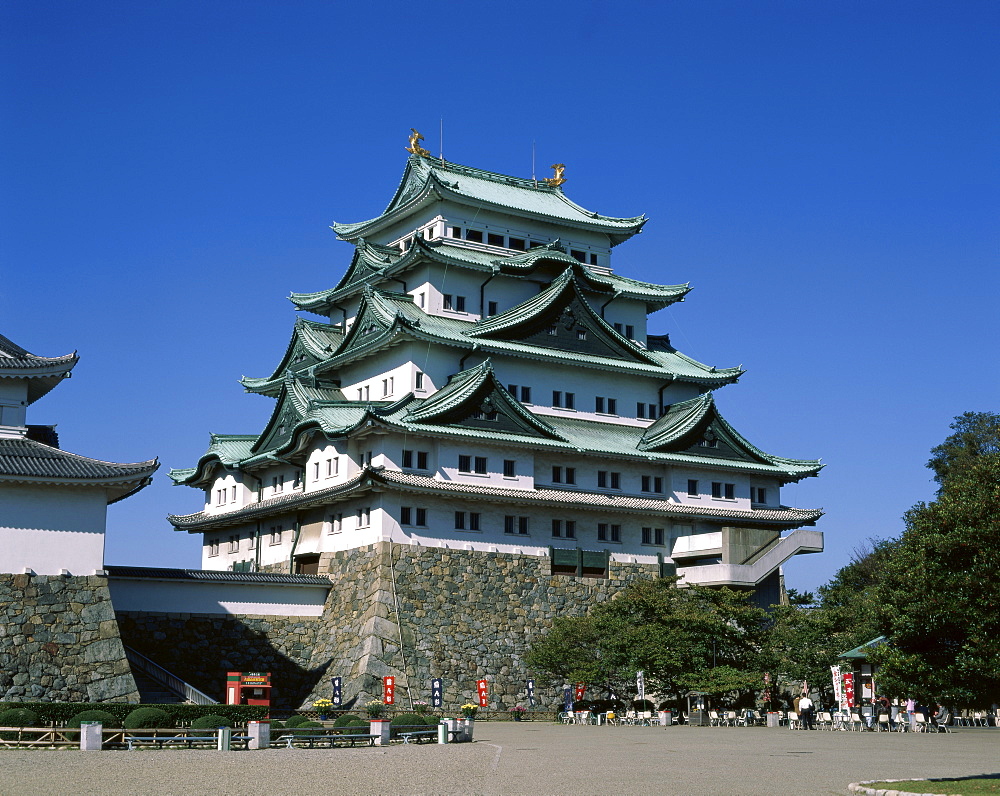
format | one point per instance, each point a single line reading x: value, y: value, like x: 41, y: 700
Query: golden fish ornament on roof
x: 556, y: 179
x: 414, y: 148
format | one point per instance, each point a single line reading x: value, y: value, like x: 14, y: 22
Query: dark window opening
x: 474, y: 235
x: 493, y: 239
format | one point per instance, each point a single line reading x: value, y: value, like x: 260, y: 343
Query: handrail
x: 165, y: 678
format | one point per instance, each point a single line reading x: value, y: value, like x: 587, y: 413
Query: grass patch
x: 964, y: 786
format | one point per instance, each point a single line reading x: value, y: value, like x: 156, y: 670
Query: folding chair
x: 793, y: 721
x: 882, y: 725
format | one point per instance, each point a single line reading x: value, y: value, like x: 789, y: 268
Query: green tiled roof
x: 370, y: 478
x: 427, y: 180
x: 373, y: 265
x: 41, y: 373
x: 312, y: 342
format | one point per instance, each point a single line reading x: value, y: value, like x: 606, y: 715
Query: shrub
x: 307, y: 727
x: 404, y: 722
x: 210, y: 722
x: 276, y: 725
x: 107, y: 719
x: 147, y: 718
x: 431, y: 721
x: 18, y: 717
x: 344, y: 719
x: 295, y: 721
x: 358, y: 723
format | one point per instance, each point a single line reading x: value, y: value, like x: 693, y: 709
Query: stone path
x: 525, y: 758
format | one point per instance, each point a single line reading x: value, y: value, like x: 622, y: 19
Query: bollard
x: 442, y: 733
x: 225, y: 738
x: 380, y: 728
x: 260, y: 734
x: 90, y: 736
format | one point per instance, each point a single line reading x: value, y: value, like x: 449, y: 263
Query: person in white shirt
x: 806, y: 712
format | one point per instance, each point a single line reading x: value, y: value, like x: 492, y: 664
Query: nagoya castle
x: 474, y: 432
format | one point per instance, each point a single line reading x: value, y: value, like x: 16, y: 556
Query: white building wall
x: 49, y: 528
x: 194, y: 597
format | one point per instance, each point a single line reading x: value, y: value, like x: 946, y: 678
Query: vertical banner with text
x: 838, y: 685
x: 640, y: 684
x: 849, y: 689
x: 389, y: 690
x: 437, y: 692
x: 483, y: 687
x: 338, y: 693
x: 531, y: 692
x: 581, y: 689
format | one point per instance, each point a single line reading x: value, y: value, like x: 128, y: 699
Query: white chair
x: 714, y: 719
x: 647, y: 718
x: 824, y: 720
x: 793, y: 721
x: 566, y: 718
x: 882, y: 724
x: 920, y: 722
x: 730, y: 719
x: 857, y: 723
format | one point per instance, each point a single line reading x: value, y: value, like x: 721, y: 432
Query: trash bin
x: 666, y: 718
x: 773, y: 719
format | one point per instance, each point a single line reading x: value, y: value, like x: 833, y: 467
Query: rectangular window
x: 759, y: 494
x: 616, y: 480
x: 474, y: 521
x: 420, y: 300
x: 407, y: 459
x: 516, y: 243
x: 234, y: 544
x: 640, y: 410
x: 647, y: 483
x: 526, y: 395
x: 653, y: 414
x: 464, y: 464
x: 405, y: 515
x: 367, y: 459
x: 512, y: 389
x: 593, y: 259
x: 612, y: 406
x: 554, y: 331
x: 299, y: 477
x: 658, y: 536
x: 418, y: 382
x: 571, y: 529
x: 599, y: 405
x: 481, y: 465
x: 213, y: 547
x: 275, y: 534
x: 336, y: 523
x: 557, y: 475
x: 493, y: 239
x: 491, y: 308
x: 232, y: 493
x: 421, y: 517
x: 459, y: 303
x: 571, y: 475
x: 616, y: 533
x: 569, y: 400
x: 557, y: 528
x: 630, y: 332
x: 618, y: 328
x: 474, y: 235
x: 692, y: 487
x: 509, y: 468
x: 602, y: 479
x: 522, y: 526
x: 581, y: 334
x: 647, y: 535
x: 455, y: 232
x: 658, y: 485
x: 509, y: 524
x: 730, y: 491
x: 717, y: 489
x: 556, y: 399
x: 467, y: 521
x: 364, y: 517
x: 316, y: 472
x: 602, y: 532
x: 578, y: 255
x: 421, y: 460
x: 447, y: 300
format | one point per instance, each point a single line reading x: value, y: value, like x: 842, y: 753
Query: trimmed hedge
x: 59, y: 712
x: 107, y: 719
x: 307, y: 727
x: 344, y: 719
x: 147, y: 719
x: 404, y: 722
x: 296, y: 720
x: 19, y: 717
x: 357, y: 723
x: 210, y: 722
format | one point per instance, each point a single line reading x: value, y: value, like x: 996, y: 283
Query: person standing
x: 806, y: 712
x: 911, y: 709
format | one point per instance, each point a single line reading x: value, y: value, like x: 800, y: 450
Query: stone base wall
x: 201, y: 648
x: 462, y: 615
x: 59, y: 641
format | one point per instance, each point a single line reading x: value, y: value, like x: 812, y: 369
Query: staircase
x: 152, y: 692
x: 158, y: 686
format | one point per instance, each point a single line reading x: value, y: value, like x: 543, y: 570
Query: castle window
x: 593, y: 259
x: 729, y: 491
x: 571, y: 475
x: 578, y: 255
x: 420, y: 300
x: 652, y: 484
x: 364, y: 517
x: 553, y: 330
x: 316, y: 471
x: 467, y: 521
x: 509, y: 468
x: 418, y: 381
x: 640, y: 410
x: 213, y: 547
x: 516, y: 243
x: 234, y: 544
x: 474, y: 235
x: 464, y: 464
x: 477, y: 465
x: 692, y: 487
x: 455, y: 232
x: 526, y: 395
x: 515, y: 525
x: 616, y: 480
x: 491, y: 308
x: 493, y: 239
x: 618, y: 328
x: 758, y: 495
x: 609, y: 533
x: 717, y: 489
x: 605, y: 406
x: 565, y: 528
x: 414, y: 460
x: 581, y: 334
x: 709, y: 443
x: 653, y: 414
x: 630, y: 332
x: 275, y: 534
x: 336, y: 523
x: 388, y: 386
x: 454, y: 303
x: 557, y: 528
x: 297, y: 479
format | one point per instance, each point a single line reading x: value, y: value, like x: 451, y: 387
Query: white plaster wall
x: 448, y: 453
x: 48, y: 529
x: 197, y: 597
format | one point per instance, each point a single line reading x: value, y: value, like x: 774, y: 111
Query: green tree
x: 938, y: 589
x: 977, y: 434
x: 676, y: 636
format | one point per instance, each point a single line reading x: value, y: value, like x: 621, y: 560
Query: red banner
x: 849, y: 688
x: 579, y: 691
x: 389, y: 690
x: 483, y: 687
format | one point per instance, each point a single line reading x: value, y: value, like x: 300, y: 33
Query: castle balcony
x: 731, y: 543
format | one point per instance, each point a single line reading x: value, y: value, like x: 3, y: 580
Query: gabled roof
x: 685, y: 424
x: 25, y: 461
x: 377, y: 478
x: 560, y: 304
x: 427, y: 180
x: 476, y: 391
x: 311, y: 342
x: 861, y: 652
x: 41, y: 373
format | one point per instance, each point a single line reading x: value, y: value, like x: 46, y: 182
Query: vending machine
x: 248, y: 688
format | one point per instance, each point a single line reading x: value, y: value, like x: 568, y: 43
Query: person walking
x: 806, y: 712
x: 911, y: 709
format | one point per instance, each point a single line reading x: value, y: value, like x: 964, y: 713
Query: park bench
x: 329, y: 738
x: 419, y: 735
x: 188, y: 741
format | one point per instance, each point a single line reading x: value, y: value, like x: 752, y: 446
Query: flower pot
x: 516, y: 716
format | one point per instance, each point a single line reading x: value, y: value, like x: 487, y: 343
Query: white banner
x: 838, y: 685
x: 640, y: 682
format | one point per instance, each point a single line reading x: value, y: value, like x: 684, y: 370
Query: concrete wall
x: 200, y: 597
x: 59, y: 641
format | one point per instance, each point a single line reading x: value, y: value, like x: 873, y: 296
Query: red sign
x: 483, y: 687
x: 579, y: 691
x: 389, y: 690
x: 849, y: 688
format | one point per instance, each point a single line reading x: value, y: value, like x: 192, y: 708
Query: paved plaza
x: 525, y: 758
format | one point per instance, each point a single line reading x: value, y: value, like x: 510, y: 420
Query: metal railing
x: 166, y: 679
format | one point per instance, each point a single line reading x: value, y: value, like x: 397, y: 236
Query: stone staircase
x: 152, y: 692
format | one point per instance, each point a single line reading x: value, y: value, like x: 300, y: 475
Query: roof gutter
x: 605, y: 304
x: 482, y: 290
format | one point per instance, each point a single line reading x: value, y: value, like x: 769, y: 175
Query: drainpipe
x: 605, y: 304
x: 344, y: 311
x: 295, y: 542
x: 482, y: 291
x: 659, y: 393
x: 394, y: 279
x: 461, y: 362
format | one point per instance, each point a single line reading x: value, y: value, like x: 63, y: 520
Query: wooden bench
x: 418, y: 734
x: 188, y: 741
x: 330, y: 738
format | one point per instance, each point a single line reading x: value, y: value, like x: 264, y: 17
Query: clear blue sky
x: 824, y: 173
